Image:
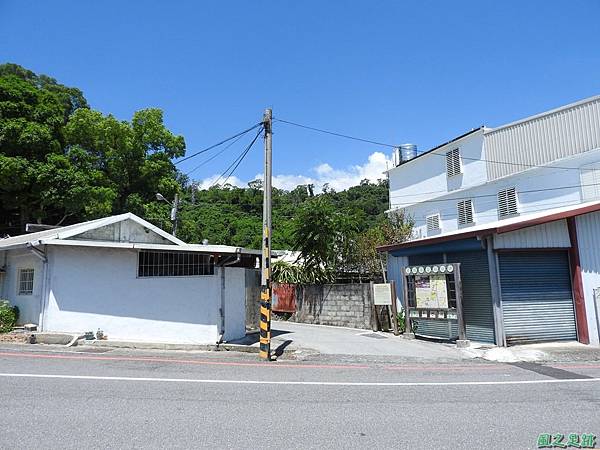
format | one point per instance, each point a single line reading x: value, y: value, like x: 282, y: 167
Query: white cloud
x: 338, y: 179
x: 208, y: 182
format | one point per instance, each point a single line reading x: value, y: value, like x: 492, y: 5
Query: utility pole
x: 174, y: 209
x: 265, y: 294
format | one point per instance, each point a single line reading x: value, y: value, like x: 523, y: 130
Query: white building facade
x: 505, y: 201
x: 128, y: 278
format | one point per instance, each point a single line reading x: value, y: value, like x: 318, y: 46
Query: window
x: 507, y: 202
x: 174, y: 264
x: 25, y: 282
x: 465, y: 212
x: 453, y: 163
x: 433, y: 222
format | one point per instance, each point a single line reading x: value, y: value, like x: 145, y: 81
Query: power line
x: 320, y: 130
x: 237, y: 161
x: 241, y: 133
x: 206, y: 161
x: 334, y: 133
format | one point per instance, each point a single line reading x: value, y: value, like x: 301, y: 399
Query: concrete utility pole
x: 265, y: 294
x: 174, y: 209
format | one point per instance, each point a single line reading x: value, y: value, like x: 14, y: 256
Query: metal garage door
x: 537, y: 300
x: 477, y: 294
x: 477, y: 297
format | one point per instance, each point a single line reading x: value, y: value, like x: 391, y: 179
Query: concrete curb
x: 166, y: 346
x: 56, y: 338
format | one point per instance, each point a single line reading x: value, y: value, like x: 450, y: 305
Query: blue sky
x: 391, y: 71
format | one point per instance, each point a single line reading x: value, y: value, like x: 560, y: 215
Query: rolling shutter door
x: 537, y: 301
x: 477, y: 295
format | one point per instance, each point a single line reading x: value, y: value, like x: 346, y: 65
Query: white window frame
x: 467, y: 212
x: 429, y: 220
x: 505, y: 202
x: 453, y: 163
x: 25, y: 286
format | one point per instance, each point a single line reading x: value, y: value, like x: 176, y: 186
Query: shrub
x: 8, y: 316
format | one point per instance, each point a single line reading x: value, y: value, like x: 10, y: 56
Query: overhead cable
x: 241, y: 133
x: 320, y: 130
x: 235, y: 164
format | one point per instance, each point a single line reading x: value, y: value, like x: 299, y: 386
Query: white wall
x: 425, y: 177
x: 543, y: 181
x: 93, y: 288
x: 588, y: 238
x: 29, y: 305
x: 124, y: 231
x: 235, y: 303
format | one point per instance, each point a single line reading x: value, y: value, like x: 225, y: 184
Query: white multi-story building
x: 519, y: 207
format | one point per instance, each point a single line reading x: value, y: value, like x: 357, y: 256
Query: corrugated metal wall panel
x: 548, y: 235
x: 477, y: 297
x: 543, y: 139
x: 537, y: 301
x: 588, y: 238
x: 394, y: 272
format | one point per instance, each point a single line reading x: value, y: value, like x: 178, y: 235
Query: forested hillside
x: 62, y: 162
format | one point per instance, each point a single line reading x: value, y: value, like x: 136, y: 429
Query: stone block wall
x: 347, y: 305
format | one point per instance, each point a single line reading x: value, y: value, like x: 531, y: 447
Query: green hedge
x: 8, y: 316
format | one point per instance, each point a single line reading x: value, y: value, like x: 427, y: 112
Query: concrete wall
x: 29, y: 305
x: 252, y: 299
x: 93, y: 288
x: 588, y: 238
x: 347, y: 305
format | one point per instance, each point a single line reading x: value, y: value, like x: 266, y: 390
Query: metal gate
x: 477, y: 297
x: 537, y: 300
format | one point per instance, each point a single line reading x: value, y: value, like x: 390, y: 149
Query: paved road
x: 351, y: 341
x: 122, y: 399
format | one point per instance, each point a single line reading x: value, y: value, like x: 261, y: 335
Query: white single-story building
x: 130, y: 279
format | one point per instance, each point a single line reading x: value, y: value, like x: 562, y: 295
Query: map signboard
x: 431, y: 291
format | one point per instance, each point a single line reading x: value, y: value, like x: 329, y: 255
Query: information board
x: 382, y: 294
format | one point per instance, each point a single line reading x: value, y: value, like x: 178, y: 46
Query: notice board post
x: 384, y: 295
